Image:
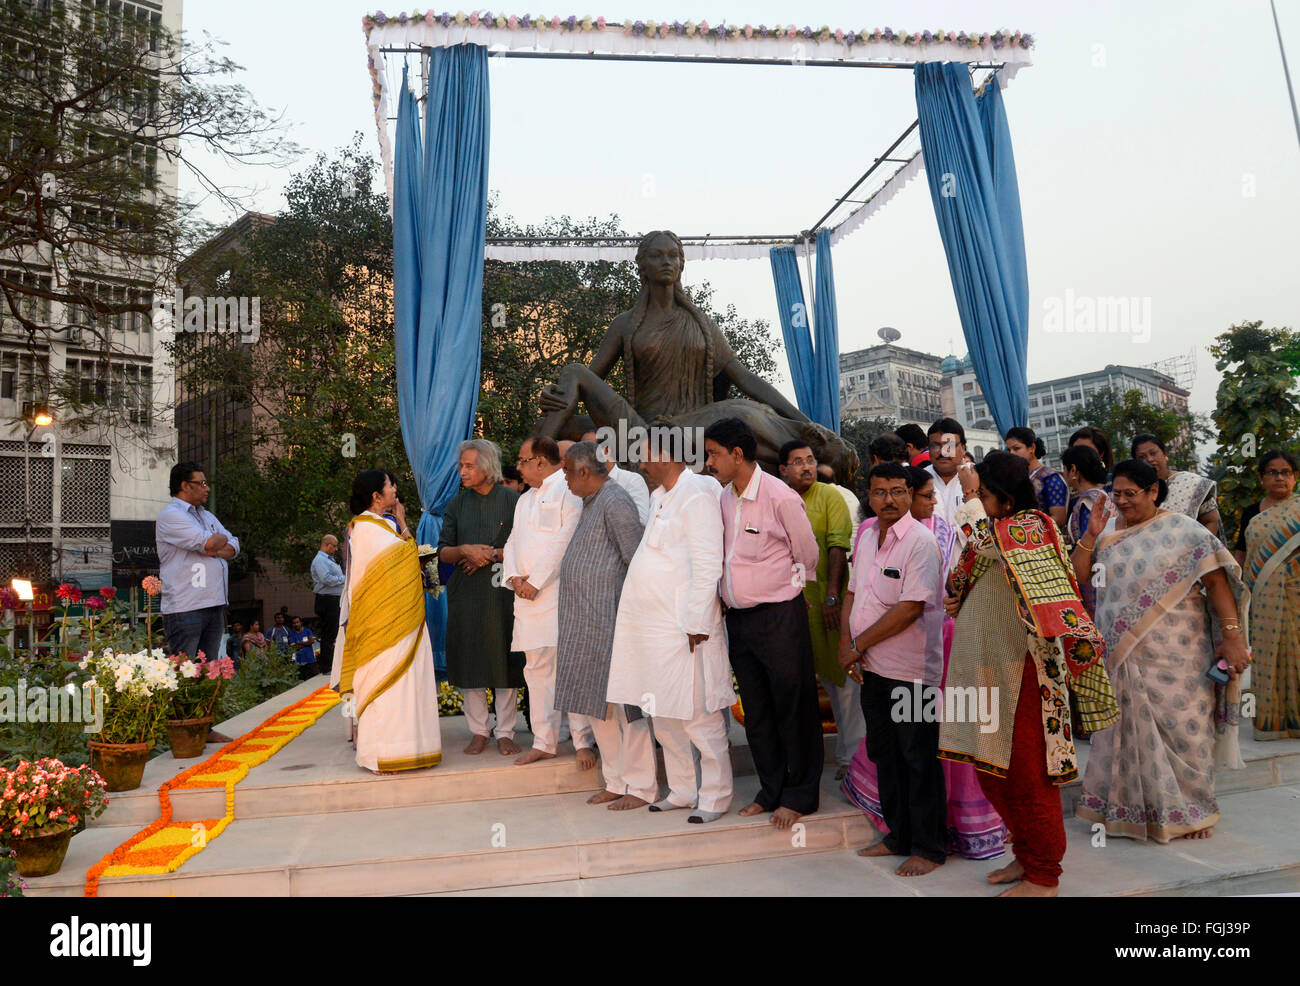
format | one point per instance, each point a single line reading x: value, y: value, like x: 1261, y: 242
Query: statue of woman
x: 679, y: 367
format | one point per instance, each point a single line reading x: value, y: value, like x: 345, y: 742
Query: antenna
x: 889, y: 334
x: 1181, y: 368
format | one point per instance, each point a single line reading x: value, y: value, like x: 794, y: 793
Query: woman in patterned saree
x: 1188, y: 493
x: 1023, y: 643
x: 1152, y: 777
x: 1049, y: 485
x: 974, y: 829
x: 1269, y: 546
x: 383, y: 664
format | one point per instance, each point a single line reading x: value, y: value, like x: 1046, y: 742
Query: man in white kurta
x: 386, y: 676
x: 670, y: 646
x: 545, y: 518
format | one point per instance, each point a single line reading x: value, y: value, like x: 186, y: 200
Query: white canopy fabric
x: 614, y: 40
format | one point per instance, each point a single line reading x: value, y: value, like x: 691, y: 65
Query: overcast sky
x: 1154, y: 142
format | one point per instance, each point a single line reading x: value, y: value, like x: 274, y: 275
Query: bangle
x: 1231, y: 626
x: 1086, y: 547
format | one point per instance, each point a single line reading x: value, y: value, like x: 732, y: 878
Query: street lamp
x: 40, y: 417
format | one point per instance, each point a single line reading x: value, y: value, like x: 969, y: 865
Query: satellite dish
x: 889, y: 335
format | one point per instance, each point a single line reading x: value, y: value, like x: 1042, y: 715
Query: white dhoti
x: 699, y: 741
x: 548, y: 725
x: 627, y: 754
x: 476, y: 711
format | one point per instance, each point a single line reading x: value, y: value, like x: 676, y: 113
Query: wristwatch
x: 853, y: 646
x: 831, y: 601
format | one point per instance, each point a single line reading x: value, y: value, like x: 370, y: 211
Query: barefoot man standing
x: 480, y: 611
x: 768, y: 553
x: 591, y: 584
x: 545, y: 518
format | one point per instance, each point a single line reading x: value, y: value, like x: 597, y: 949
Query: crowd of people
x: 970, y: 623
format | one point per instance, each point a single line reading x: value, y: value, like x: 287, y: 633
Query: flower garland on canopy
x: 164, y: 845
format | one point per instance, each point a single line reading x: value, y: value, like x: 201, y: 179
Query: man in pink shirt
x: 769, y: 551
x: 895, y: 618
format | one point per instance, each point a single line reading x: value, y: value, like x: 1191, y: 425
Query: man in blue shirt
x: 301, y: 639
x: 193, y: 551
x: 327, y: 582
x: 279, y: 635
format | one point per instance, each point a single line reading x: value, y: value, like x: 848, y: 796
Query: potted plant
x: 199, y: 684
x: 42, y: 805
x: 134, y: 692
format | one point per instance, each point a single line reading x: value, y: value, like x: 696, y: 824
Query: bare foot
x: 507, y: 747
x: 477, y: 745
x: 1200, y: 833
x: 783, y: 818
x: 532, y: 756
x: 586, y: 758
x: 1026, y: 889
x: 916, y: 866
x: 603, y: 798
x: 877, y: 849
x: 840, y: 772
x: 627, y: 803
x: 751, y: 809
x: 1010, y: 873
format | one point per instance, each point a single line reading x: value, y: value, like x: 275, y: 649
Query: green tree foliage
x: 323, y: 369
x: 1124, y: 416
x: 859, y: 432
x: 1257, y: 408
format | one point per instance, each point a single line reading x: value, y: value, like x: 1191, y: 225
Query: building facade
x: 78, y: 497
x: 890, y: 381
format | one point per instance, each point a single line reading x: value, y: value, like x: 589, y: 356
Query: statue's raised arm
x: 678, y: 366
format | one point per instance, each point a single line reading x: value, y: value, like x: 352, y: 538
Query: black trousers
x: 913, y: 796
x: 327, y: 613
x: 771, y: 653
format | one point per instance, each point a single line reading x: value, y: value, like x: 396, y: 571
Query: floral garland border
x: 324, y: 698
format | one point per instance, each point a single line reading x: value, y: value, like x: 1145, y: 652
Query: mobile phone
x: 892, y: 573
x: 1218, y: 672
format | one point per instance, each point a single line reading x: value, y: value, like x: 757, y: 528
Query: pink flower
x: 107, y: 591
x: 555, y: 22
x: 151, y: 584
x: 473, y: 19
x: 600, y: 23
x: 704, y: 27
x: 68, y: 593
x: 839, y: 35
x: 512, y: 22
x: 8, y: 598
x: 95, y: 603
x: 749, y: 31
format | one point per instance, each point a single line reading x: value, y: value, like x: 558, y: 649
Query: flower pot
x: 120, y: 764
x: 41, y: 855
x: 188, y: 736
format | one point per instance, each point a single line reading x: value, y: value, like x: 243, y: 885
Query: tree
x: 1257, y: 408
x: 859, y: 432
x: 97, y: 109
x: 319, y: 385
x: 1124, y: 416
x: 323, y: 368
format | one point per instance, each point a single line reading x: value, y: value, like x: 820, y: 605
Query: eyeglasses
x: 1127, y: 495
x: 898, y: 494
x: 524, y: 462
x: 1277, y: 474
x: 197, y: 482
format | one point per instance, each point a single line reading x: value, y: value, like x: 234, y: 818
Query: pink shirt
x: 768, y: 546
x: 915, y: 654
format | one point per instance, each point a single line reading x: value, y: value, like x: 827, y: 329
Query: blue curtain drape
x: 439, y: 229
x: 812, y: 340
x: 972, y: 176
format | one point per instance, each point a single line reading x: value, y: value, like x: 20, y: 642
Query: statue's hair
x: 679, y: 296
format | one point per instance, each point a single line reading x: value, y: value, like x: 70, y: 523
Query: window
x: 1076, y: 395
x: 967, y: 387
x: 1060, y: 398
x: 1049, y: 422
x: 1033, y: 402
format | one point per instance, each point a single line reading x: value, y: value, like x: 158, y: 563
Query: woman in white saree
x: 383, y: 662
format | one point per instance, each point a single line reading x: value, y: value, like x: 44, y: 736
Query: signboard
x: 135, y: 552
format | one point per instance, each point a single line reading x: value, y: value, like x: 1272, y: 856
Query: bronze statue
x: 678, y: 368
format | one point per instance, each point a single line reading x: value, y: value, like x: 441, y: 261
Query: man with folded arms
x: 670, y: 650
x: 768, y: 552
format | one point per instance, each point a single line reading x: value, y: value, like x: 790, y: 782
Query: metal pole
x: 1285, y: 70
x: 878, y: 162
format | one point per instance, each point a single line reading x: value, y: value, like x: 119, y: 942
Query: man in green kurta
x: 480, y: 610
x: 829, y: 516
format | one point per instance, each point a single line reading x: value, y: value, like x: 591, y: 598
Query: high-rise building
x: 890, y: 381
x: 79, y: 502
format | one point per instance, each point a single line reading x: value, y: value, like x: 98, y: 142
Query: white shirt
x: 190, y: 579
x: 671, y: 590
x: 545, y: 519
x: 636, y: 487
x: 948, y: 498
